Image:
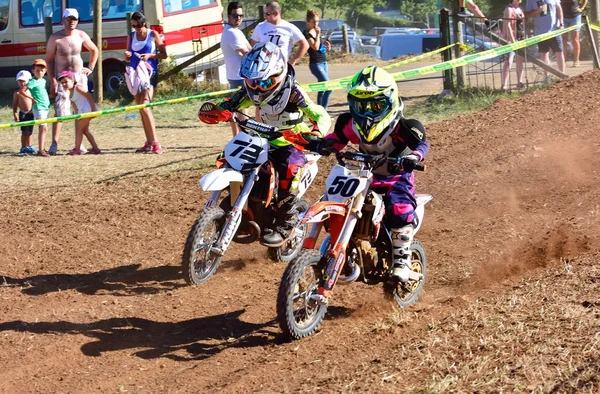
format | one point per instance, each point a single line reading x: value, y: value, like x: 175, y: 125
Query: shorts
x: 154, y: 80
x: 24, y: 117
x: 568, y: 22
x: 41, y: 114
x: 235, y: 83
x: 555, y: 43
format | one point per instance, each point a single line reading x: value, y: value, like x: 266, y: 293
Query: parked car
x: 394, y: 45
x: 326, y: 25
x: 354, y: 42
x: 299, y: 24
x: 370, y: 37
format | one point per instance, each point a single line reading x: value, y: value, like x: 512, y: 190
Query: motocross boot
x: 286, y: 219
x: 401, y: 240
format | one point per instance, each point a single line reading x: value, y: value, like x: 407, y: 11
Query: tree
x: 420, y: 9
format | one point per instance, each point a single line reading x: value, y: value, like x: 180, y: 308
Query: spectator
x: 474, y: 9
x: 83, y: 102
x: 280, y: 32
x: 547, y: 16
x: 63, y: 53
x: 234, y: 46
x: 572, y: 17
x: 41, y: 101
x: 145, y: 45
x: 317, y: 54
x: 22, y: 105
x: 512, y: 31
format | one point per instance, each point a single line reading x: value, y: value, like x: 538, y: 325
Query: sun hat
x: 24, y: 75
x: 67, y: 74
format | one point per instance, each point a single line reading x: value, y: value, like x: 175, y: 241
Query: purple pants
x: 399, y: 198
x: 288, y: 162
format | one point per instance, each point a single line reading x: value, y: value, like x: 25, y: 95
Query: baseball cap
x: 70, y: 12
x: 24, y: 75
x: 66, y: 73
x: 40, y: 62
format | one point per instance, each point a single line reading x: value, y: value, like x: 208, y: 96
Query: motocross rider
x: 270, y: 85
x: 376, y: 123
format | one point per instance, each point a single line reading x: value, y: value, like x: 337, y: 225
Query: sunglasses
x: 236, y: 16
x: 136, y: 26
x: 270, y: 13
x: 71, y: 19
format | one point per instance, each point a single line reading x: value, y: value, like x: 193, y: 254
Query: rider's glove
x: 321, y: 146
x: 409, y: 162
x: 225, y: 104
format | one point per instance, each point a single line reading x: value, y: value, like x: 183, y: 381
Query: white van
x: 23, y: 37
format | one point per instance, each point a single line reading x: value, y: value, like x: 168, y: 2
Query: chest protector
x: 386, y: 146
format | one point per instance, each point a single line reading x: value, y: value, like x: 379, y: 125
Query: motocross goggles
x: 264, y: 85
x: 370, y: 106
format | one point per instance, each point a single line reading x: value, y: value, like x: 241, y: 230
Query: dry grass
x: 189, y: 145
x: 541, y: 335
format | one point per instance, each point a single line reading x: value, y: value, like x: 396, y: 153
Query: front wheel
x: 293, y: 245
x: 298, y: 315
x: 406, y: 294
x: 199, y: 263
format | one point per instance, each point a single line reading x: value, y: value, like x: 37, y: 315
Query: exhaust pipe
x: 350, y: 278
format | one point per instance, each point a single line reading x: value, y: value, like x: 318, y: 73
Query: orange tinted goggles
x: 263, y: 84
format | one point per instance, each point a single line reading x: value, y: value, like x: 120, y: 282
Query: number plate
x: 343, y: 185
x: 244, y: 152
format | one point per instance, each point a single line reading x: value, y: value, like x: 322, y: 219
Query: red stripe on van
x: 115, y: 43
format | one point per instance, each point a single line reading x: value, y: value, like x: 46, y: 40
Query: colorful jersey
x: 404, y: 140
x: 286, y: 111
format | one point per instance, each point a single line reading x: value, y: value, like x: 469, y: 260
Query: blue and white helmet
x: 264, y: 70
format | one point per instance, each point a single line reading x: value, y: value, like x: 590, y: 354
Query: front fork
x: 337, y: 254
x: 234, y: 216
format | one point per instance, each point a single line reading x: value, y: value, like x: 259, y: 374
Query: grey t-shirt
x: 548, y: 22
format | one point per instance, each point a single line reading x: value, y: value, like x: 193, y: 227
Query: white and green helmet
x: 374, y: 104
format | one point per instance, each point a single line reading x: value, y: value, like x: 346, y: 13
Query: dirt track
x: 93, y: 299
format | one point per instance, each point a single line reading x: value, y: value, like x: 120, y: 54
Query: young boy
x: 41, y: 104
x: 83, y: 102
x: 22, y: 104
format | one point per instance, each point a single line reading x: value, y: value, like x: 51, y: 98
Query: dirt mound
x: 93, y: 299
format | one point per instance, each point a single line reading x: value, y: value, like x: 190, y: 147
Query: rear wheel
x: 406, y: 294
x: 113, y: 77
x: 293, y: 245
x: 298, y: 315
x: 198, y: 262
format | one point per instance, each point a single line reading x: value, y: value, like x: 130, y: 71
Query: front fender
x: 321, y: 210
x: 220, y: 179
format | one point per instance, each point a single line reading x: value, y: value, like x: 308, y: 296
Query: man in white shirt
x: 234, y: 46
x: 280, y: 32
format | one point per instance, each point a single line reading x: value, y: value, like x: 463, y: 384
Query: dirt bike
x: 359, y: 245
x: 251, y: 182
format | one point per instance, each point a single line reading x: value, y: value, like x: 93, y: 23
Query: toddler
x: 22, y: 105
x: 83, y: 102
x: 41, y: 101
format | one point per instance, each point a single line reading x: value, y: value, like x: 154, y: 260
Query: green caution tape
x: 344, y: 83
x: 481, y: 56
x: 115, y: 110
x: 594, y: 27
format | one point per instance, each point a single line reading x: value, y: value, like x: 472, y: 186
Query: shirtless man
x: 63, y: 53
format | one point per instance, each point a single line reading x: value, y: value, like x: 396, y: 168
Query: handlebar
x: 372, y: 161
